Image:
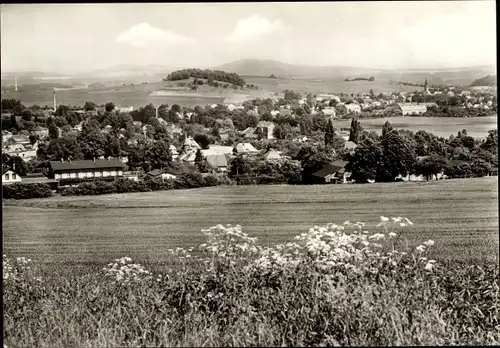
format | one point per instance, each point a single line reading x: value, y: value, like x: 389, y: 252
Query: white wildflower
x: 392, y: 234
x: 384, y: 219
x: 420, y: 248
x: 429, y: 243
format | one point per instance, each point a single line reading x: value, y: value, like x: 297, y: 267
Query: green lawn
x: 460, y: 215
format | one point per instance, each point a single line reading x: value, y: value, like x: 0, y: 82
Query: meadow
x: 460, y: 215
x: 425, y: 274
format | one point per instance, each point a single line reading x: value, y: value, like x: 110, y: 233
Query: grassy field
x: 460, y: 215
x: 476, y: 127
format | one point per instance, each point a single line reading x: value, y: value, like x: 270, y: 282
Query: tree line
x: 209, y: 75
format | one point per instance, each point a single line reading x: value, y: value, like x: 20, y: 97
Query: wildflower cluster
x: 16, y: 269
x: 348, y: 247
x: 124, y: 271
x: 228, y: 242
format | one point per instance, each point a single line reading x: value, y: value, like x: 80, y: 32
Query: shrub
x: 26, y: 191
x: 127, y: 185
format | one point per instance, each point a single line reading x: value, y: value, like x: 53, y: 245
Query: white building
x: 10, y: 177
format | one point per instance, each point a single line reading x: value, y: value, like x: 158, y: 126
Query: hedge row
x: 25, y: 191
x: 184, y: 181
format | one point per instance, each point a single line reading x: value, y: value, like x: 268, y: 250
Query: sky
x: 85, y: 37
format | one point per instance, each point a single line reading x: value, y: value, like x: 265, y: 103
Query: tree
x: 399, y: 156
x: 62, y: 111
x: 329, y: 133
x: 13, y: 121
x: 355, y: 131
x: 66, y: 147
x: 202, y: 140
x: 365, y: 162
x: 282, y: 131
x: 92, y: 144
x: 387, y: 128
x: 53, y: 131
x: 239, y: 166
x: 17, y: 109
x: 431, y: 165
x: 33, y: 139
x: 89, y: 106
x: 112, y: 147
x: 27, y: 115
x: 201, y: 163
x: 319, y: 123
x: 109, y: 106
x: 159, y: 154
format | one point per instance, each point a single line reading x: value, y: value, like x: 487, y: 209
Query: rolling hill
x: 264, y: 68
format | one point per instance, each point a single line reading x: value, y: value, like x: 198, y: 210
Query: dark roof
x: 217, y: 161
x: 86, y: 164
x: 34, y: 175
x: 156, y: 172
x: 330, y: 168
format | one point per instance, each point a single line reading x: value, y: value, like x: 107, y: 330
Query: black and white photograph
x: 250, y: 174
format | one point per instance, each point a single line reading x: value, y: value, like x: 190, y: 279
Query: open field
x: 460, y: 215
x: 476, y: 127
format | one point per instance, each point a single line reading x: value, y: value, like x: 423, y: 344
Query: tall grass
x: 334, y: 285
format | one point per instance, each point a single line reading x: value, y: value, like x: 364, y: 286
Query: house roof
x: 245, y: 147
x: 86, y: 164
x: 188, y: 156
x: 349, y: 145
x: 272, y: 154
x: 330, y: 168
x: 217, y: 150
x: 217, y: 161
x: 267, y: 124
x: 191, y: 143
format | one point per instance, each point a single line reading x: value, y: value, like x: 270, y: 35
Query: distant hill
x: 264, y: 68
x: 490, y: 80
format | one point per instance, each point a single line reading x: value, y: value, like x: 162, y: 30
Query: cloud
x: 144, y: 34
x: 255, y: 26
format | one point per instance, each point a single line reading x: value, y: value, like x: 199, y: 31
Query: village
x: 256, y: 130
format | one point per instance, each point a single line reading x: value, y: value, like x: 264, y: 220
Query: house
x: 217, y: 162
x: 272, y: 155
x: 175, y: 153
x: 39, y: 178
x: 125, y: 110
x: 20, y: 139
x: 351, y: 108
x: 190, y: 143
x: 249, y: 133
x: 412, y: 108
x: 132, y: 175
x: 331, y: 173
x: 330, y: 111
x: 266, y: 128
x: 274, y: 113
x: 163, y: 174
x: 223, y: 134
x: 217, y: 150
x: 350, y: 146
x: 188, y: 156
x: 137, y: 123
x: 246, y: 148
x: 41, y: 131
x: 73, y: 172
x: 9, y: 177
x: 107, y: 129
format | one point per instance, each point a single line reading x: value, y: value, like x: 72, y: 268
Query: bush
x: 127, y: 185
x: 26, y: 191
x: 245, y: 180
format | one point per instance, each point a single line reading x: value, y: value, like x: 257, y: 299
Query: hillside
x: 490, y: 80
